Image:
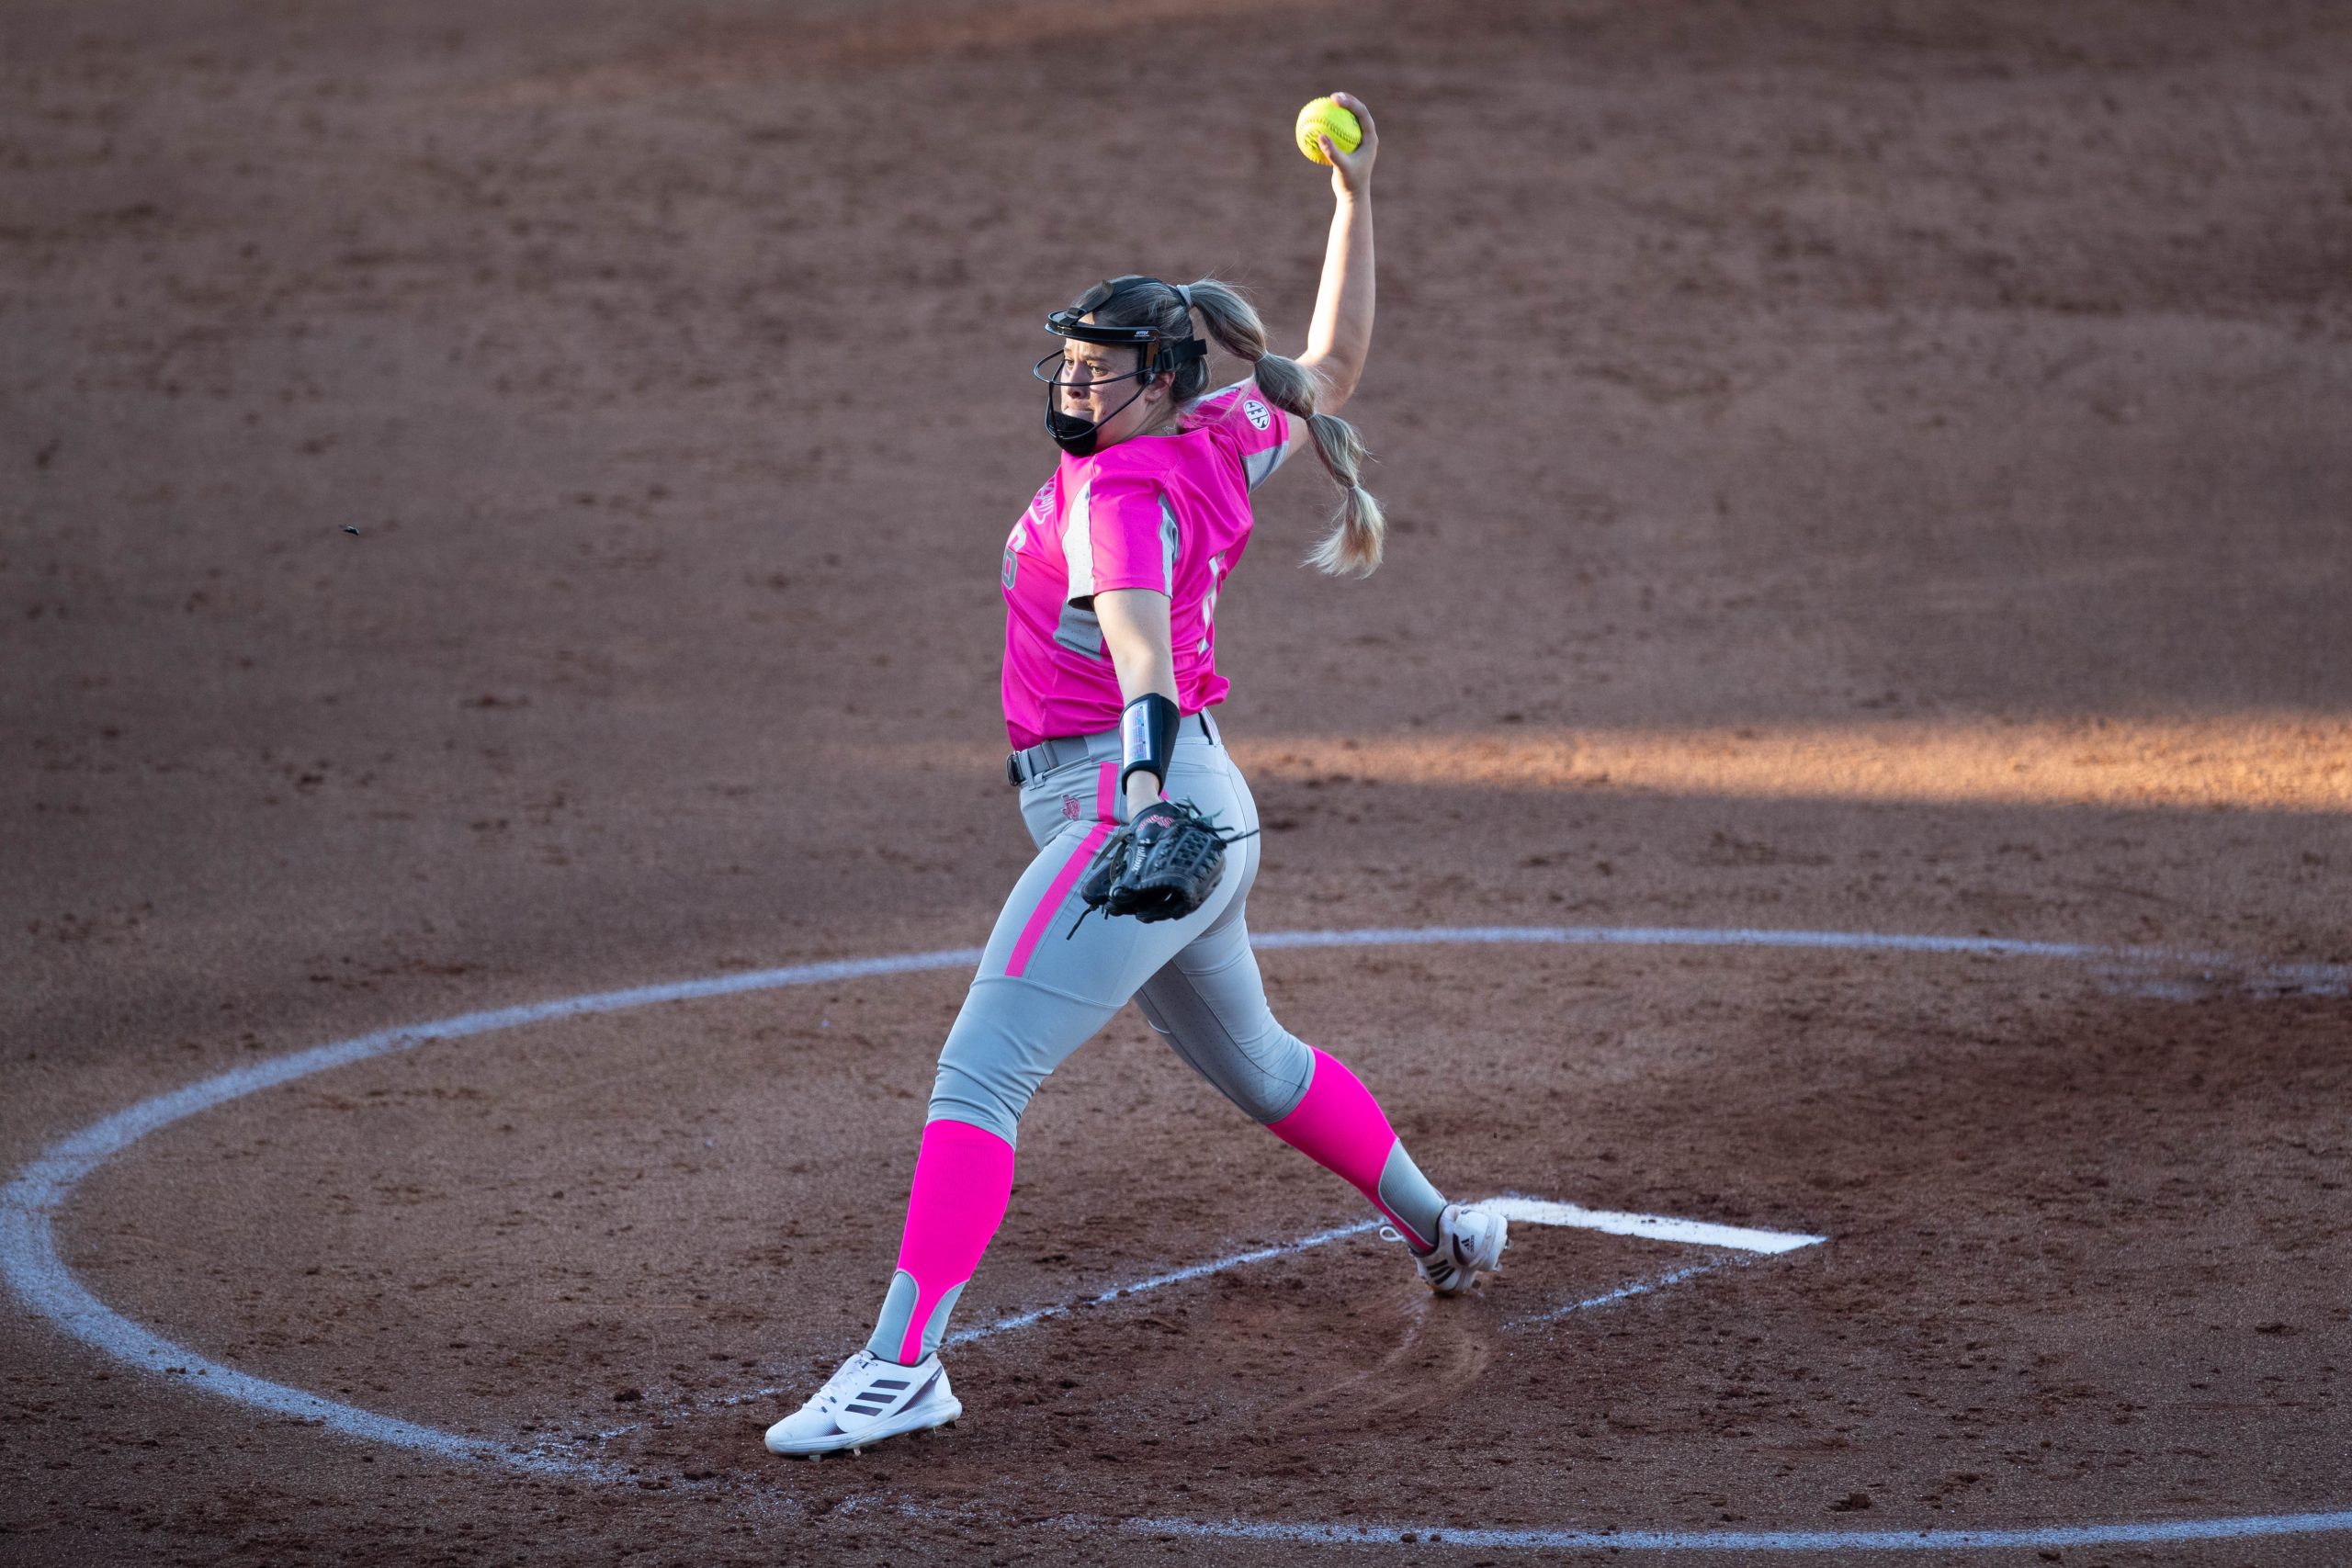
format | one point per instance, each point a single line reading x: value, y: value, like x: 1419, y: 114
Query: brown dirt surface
x: 1855, y: 468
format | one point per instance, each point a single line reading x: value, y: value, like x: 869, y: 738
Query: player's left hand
x: 1352, y: 171
x: 1161, y: 866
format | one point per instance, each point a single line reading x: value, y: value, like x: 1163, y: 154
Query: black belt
x: 1019, y: 767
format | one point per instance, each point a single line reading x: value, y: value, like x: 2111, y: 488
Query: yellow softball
x: 1326, y: 118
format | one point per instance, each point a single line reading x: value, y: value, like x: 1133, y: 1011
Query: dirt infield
x: 1856, y: 469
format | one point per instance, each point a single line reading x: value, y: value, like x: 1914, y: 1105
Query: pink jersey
x: 1169, y: 512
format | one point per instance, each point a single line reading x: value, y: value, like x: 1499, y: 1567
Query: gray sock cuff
x: 889, y: 1335
x: 1407, y: 1193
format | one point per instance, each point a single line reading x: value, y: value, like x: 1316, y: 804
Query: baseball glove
x: 1161, y: 866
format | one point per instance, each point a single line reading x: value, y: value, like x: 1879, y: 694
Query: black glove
x: 1161, y: 866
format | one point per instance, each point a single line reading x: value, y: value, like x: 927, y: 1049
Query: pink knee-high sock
x: 963, y: 1181
x: 1339, y: 1126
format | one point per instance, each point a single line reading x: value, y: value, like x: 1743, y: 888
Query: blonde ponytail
x: 1353, y: 548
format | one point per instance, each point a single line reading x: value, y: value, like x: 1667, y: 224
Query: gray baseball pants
x: 1043, y: 990
x: 1049, y: 980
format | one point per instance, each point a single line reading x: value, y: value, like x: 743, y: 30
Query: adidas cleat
x: 867, y: 1400
x: 1469, y: 1241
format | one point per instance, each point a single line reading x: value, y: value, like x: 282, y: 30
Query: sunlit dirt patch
x: 2294, y: 762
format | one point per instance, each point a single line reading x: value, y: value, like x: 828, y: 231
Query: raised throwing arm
x: 1340, y: 339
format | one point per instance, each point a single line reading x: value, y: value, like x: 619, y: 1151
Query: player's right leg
x: 1046, y: 983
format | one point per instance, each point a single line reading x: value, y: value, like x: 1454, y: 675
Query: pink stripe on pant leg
x: 1339, y: 1126
x: 963, y: 1181
x: 1064, y: 880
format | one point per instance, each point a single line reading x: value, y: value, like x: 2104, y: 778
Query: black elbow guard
x: 1147, y: 736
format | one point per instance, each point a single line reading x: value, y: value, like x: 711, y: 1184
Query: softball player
x: 1110, y: 581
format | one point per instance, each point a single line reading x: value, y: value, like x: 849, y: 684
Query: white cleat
x: 868, y: 1400
x: 1468, y: 1241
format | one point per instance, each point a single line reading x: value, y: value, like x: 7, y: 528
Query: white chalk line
x: 1040, y: 1315
x: 2042, y: 1537
x: 2151, y: 1532
x: 29, y: 1205
x: 1649, y: 1227
x: 1157, y: 1282
x: 1514, y: 1207
x: 2126, y: 966
x: 1625, y: 1293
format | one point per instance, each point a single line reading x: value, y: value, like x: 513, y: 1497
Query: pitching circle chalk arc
x: 29, y: 1205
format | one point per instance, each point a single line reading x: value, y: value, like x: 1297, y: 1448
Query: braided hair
x: 1353, y: 546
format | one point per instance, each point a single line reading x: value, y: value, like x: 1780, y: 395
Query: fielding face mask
x: 1075, y: 433
x: 1156, y: 355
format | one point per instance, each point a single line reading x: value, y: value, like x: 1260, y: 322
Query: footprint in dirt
x: 1436, y: 1349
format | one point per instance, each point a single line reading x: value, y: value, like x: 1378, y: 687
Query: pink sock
x: 1340, y: 1127
x: 963, y: 1181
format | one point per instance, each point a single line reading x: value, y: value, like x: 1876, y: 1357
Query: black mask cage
x: 1157, y: 353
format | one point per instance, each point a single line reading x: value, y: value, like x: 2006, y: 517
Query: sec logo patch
x: 1257, y: 412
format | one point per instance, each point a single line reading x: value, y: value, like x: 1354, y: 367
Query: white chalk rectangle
x: 1655, y: 1227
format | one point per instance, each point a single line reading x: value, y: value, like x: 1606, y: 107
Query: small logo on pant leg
x: 1072, y: 808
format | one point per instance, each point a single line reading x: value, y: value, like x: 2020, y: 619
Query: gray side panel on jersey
x: 1258, y: 467
x: 1078, y: 544
x: 1078, y: 541
x: 1407, y: 1193
x: 1079, y: 631
x: 889, y: 1335
x: 1168, y: 541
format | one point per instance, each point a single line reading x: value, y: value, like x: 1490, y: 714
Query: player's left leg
x: 1211, y: 1007
x: 1304, y: 1096
x: 1209, y: 1001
